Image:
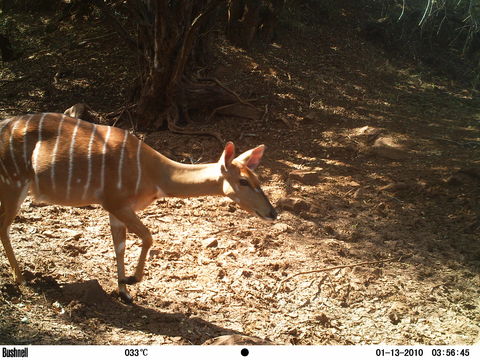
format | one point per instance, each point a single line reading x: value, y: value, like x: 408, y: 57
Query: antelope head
x: 241, y: 184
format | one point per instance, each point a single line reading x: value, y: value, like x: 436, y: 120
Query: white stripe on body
x: 36, y: 152
x: 25, y: 134
x: 104, y: 151
x: 89, y: 156
x: 4, y: 123
x: 54, y: 154
x: 12, y: 153
x: 139, y: 167
x: 120, y: 163
x: 70, y: 158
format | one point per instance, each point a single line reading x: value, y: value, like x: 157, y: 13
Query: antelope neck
x: 188, y: 180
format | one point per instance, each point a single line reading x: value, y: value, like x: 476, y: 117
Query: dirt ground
x: 370, y: 160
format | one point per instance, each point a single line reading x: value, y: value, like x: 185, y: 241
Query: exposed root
x: 174, y: 128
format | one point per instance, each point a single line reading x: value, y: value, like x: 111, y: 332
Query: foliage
x: 457, y: 21
x: 443, y: 33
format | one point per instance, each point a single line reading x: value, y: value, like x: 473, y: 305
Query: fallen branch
x: 212, y: 114
x: 335, y: 268
x: 231, y: 92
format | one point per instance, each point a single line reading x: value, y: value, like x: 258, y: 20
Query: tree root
x: 174, y: 128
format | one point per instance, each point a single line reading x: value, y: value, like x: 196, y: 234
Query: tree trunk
x: 252, y: 19
x: 173, y: 38
x: 168, y: 45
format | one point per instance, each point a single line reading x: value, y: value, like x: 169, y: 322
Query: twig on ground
x: 264, y: 115
x: 335, y: 268
x: 219, y: 231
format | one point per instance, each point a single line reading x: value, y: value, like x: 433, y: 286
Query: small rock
x: 210, y: 242
x: 221, y: 274
x: 397, y: 312
x: 295, y: 205
x: 394, y: 317
x: 49, y: 233
x: 281, y: 227
x: 456, y: 180
x: 311, y: 116
x: 388, y: 148
x: 305, y: 177
x: 367, y: 134
x: 246, y: 273
x: 323, y: 319
x: 76, y: 236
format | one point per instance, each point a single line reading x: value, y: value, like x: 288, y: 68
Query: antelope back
x: 68, y: 161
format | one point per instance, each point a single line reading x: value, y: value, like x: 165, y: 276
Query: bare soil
x: 369, y: 160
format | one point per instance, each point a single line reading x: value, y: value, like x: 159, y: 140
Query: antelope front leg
x: 132, y: 222
x: 119, y: 235
x: 17, y: 274
x: 18, y: 277
x: 10, y: 204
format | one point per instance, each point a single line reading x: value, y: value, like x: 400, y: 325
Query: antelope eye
x: 244, y: 182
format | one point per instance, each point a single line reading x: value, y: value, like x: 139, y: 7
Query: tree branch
x: 188, y: 40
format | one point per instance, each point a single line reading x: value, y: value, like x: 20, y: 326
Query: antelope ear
x: 227, y: 156
x: 251, y: 158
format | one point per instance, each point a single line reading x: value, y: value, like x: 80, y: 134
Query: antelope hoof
x: 125, y: 297
x: 130, y: 280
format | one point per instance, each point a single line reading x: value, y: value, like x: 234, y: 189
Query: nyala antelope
x: 66, y: 161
